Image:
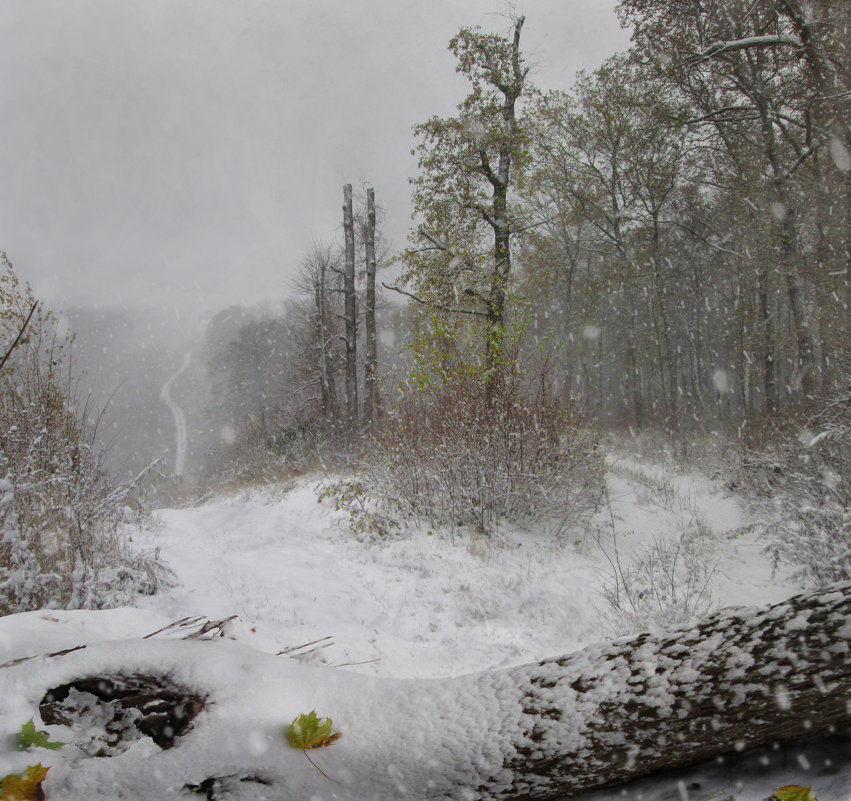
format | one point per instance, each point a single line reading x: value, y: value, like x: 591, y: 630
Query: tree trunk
x: 739, y: 679
x: 846, y: 240
x: 671, y: 389
x: 789, y: 255
x: 633, y: 370
x: 612, y: 712
x: 633, y: 373
x: 766, y: 319
x: 498, y: 217
x: 326, y: 379
x: 350, y: 308
x: 370, y: 382
x: 807, y: 370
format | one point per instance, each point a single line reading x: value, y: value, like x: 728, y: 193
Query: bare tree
x: 350, y: 311
x: 316, y: 283
x: 370, y: 398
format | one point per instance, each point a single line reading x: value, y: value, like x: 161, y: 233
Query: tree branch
x: 442, y: 246
x: 439, y: 306
x: 769, y: 40
x: 716, y: 115
x: 18, y: 338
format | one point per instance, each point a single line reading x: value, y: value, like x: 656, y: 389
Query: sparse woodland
x: 662, y: 247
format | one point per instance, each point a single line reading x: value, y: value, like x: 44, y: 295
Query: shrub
x: 61, y: 515
x: 464, y: 452
x: 810, y: 477
x: 666, y: 584
x: 367, y: 520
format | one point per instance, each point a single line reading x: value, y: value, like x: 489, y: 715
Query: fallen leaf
x: 794, y: 792
x: 28, y: 736
x: 24, y: 787
x: 310, y: 731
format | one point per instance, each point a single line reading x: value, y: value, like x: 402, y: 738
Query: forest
x: 662, y: 247
x: 665, y: 242
x: 608, y: 288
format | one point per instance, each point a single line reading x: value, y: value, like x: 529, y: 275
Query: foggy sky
x: 185, y: 152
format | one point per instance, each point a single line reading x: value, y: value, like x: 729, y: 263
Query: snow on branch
x: 768, y: 40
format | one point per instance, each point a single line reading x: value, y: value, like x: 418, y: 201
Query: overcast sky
x: 161, y: 152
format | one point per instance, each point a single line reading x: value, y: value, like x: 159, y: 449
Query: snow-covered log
x: 606, y: 714
x: 739, y: 679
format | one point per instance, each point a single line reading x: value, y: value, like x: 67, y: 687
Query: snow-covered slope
x: 418, y: 605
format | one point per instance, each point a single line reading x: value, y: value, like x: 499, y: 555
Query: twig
x: 364, y: 662
x: 184, y: 621
x: 215, y: 626
x: 208, y: 626
x: 18, y: 338
x: 42, y: 656
x: 306, y: 645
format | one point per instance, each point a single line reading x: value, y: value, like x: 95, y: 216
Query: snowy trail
x: 419, y: 605
x: 653, y: 502
x: 179, y: 418
x: 430, y: 605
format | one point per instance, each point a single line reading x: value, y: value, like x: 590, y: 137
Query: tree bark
x: 326, y: 378
x: 847, y: 254
x: 612, y: 712
x: 314, y: 282
x: 370, y: 381
x: 766, y: 320
x: 350, y: 308
x: 739, y: 679
x: 807, y: 372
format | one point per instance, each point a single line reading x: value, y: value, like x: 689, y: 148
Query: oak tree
x: 461, y: 256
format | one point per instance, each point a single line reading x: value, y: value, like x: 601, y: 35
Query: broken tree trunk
x: 553, y: 729
x: 370, y: 380
x: 350, y: 308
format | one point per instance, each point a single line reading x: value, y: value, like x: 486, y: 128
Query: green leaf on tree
x: 794, y: 792
x: 28, y: 736
x: 310, y: 731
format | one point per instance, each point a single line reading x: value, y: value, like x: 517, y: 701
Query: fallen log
x: 739, y: 679
x: 604, y: 715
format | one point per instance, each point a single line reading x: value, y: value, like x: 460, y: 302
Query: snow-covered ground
x: 419, y: 604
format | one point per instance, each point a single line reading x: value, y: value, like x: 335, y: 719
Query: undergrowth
x: 62, y: 517
x: 465, y: 454
x: 367, y: 518
x: 664, y: 583
x: 807, y: 478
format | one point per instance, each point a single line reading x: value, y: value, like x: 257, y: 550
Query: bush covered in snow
x: 61, y: 515
x: 666, y: 584
x: 468, y: 453
x: 810, y: 476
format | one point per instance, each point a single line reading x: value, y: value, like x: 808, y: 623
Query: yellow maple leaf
x: 25, y: 786
x: 794, y: 792
x: 310, y: 731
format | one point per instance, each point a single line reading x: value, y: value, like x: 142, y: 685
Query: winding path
x: 179, y: 418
